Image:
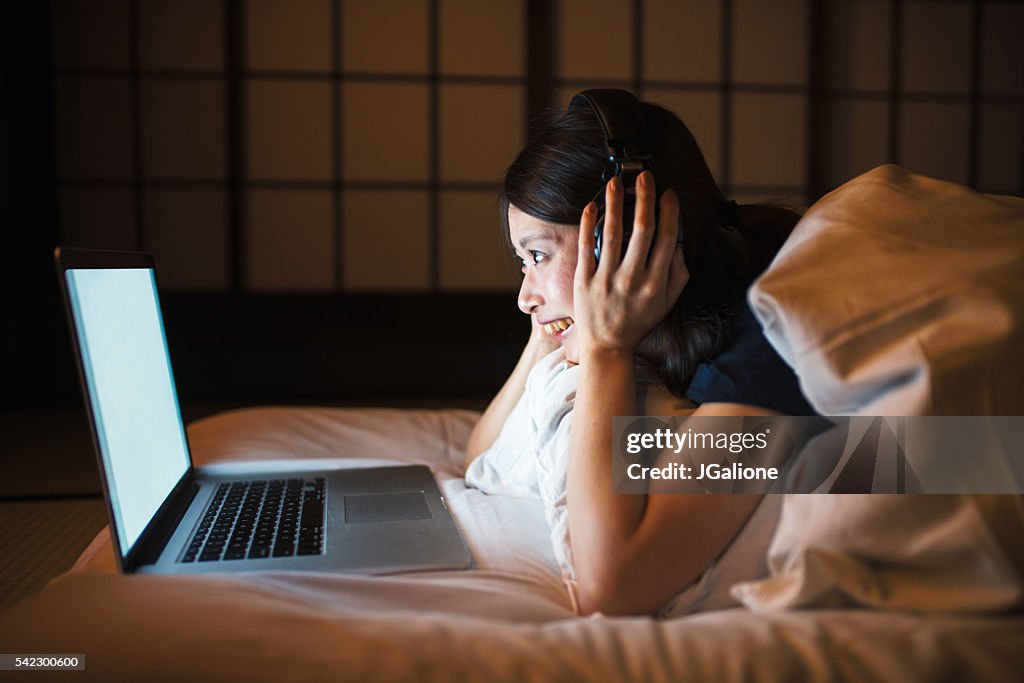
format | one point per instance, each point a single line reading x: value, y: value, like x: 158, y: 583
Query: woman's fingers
x: 585, y: 265
x: 668, y: 235
x: 643, y: 224
x: 659, y: 268
x: 678, y: 275
x: 611, y: 238
x: 619, y: 300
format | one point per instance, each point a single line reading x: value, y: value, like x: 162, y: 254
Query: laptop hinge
x: 158, y: 532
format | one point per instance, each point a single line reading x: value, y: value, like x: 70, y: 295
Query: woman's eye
x: 534, y: 258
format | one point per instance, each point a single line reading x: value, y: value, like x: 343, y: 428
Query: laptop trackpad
x: 386, y: 507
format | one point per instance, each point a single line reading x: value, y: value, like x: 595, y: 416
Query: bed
x: 509, y: 617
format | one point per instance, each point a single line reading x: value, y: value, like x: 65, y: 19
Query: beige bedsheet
x: 507, y: 619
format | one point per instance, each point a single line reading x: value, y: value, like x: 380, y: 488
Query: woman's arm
x: 491, y: 422
x: 632, y: 552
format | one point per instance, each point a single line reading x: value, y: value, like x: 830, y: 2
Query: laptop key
x: 312, y: 514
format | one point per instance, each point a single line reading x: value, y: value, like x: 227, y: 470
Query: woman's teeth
x: 558, y: 325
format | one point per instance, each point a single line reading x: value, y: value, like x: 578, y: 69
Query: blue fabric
x: 749, y: 371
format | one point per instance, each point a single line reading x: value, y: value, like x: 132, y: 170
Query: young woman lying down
x: 656, y: 324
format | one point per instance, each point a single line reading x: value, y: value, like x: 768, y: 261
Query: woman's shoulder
x: 656, y: 399
x: 749, y: 371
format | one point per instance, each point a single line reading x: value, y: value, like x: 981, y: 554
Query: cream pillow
x: 926, y: 553
x: 899, y: 295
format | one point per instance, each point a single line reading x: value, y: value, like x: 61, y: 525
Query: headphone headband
x: 629, y: 150
x: 625, y: 130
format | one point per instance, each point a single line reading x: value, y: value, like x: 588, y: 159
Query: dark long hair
x: 726, y: 246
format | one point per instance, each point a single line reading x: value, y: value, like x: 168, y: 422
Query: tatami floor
x: 41, y: 539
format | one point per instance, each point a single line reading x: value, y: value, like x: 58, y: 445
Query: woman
x: 681, y: 315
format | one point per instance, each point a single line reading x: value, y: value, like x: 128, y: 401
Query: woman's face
x: 548, y: 253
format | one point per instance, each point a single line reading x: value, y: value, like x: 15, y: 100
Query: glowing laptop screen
x: 131, y: 388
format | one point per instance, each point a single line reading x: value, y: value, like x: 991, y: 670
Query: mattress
x: 506, y: 618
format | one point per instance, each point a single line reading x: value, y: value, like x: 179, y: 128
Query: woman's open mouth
x: 559, y: 328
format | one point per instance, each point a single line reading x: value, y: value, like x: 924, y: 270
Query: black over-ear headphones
x: 629, y: 152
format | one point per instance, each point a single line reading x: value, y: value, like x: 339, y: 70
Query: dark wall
x: 35, y: 361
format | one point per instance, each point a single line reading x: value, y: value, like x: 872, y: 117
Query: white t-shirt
x: 529, y: 457
x: 529, y: 460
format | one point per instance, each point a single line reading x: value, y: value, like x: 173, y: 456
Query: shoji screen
x: 935, y: 85
x: 292, y: 145
x: 375, y: 150
x: 707, y: 62
x: 141, y: 133
x: 790, y: 98
x: 345, y: 146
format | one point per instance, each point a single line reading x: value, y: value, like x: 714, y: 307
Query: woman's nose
x: 529, y: 298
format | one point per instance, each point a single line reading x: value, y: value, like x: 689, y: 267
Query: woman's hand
x: 491, y: 422
x: 540, y: 343
x: 618, y: 301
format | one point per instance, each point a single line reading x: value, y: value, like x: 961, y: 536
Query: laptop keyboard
x: 261, y: 519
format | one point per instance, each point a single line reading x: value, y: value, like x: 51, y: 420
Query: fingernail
x: 614, y: 183
x: 645, y: 179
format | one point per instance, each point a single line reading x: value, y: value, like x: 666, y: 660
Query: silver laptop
x: 168, y: 517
